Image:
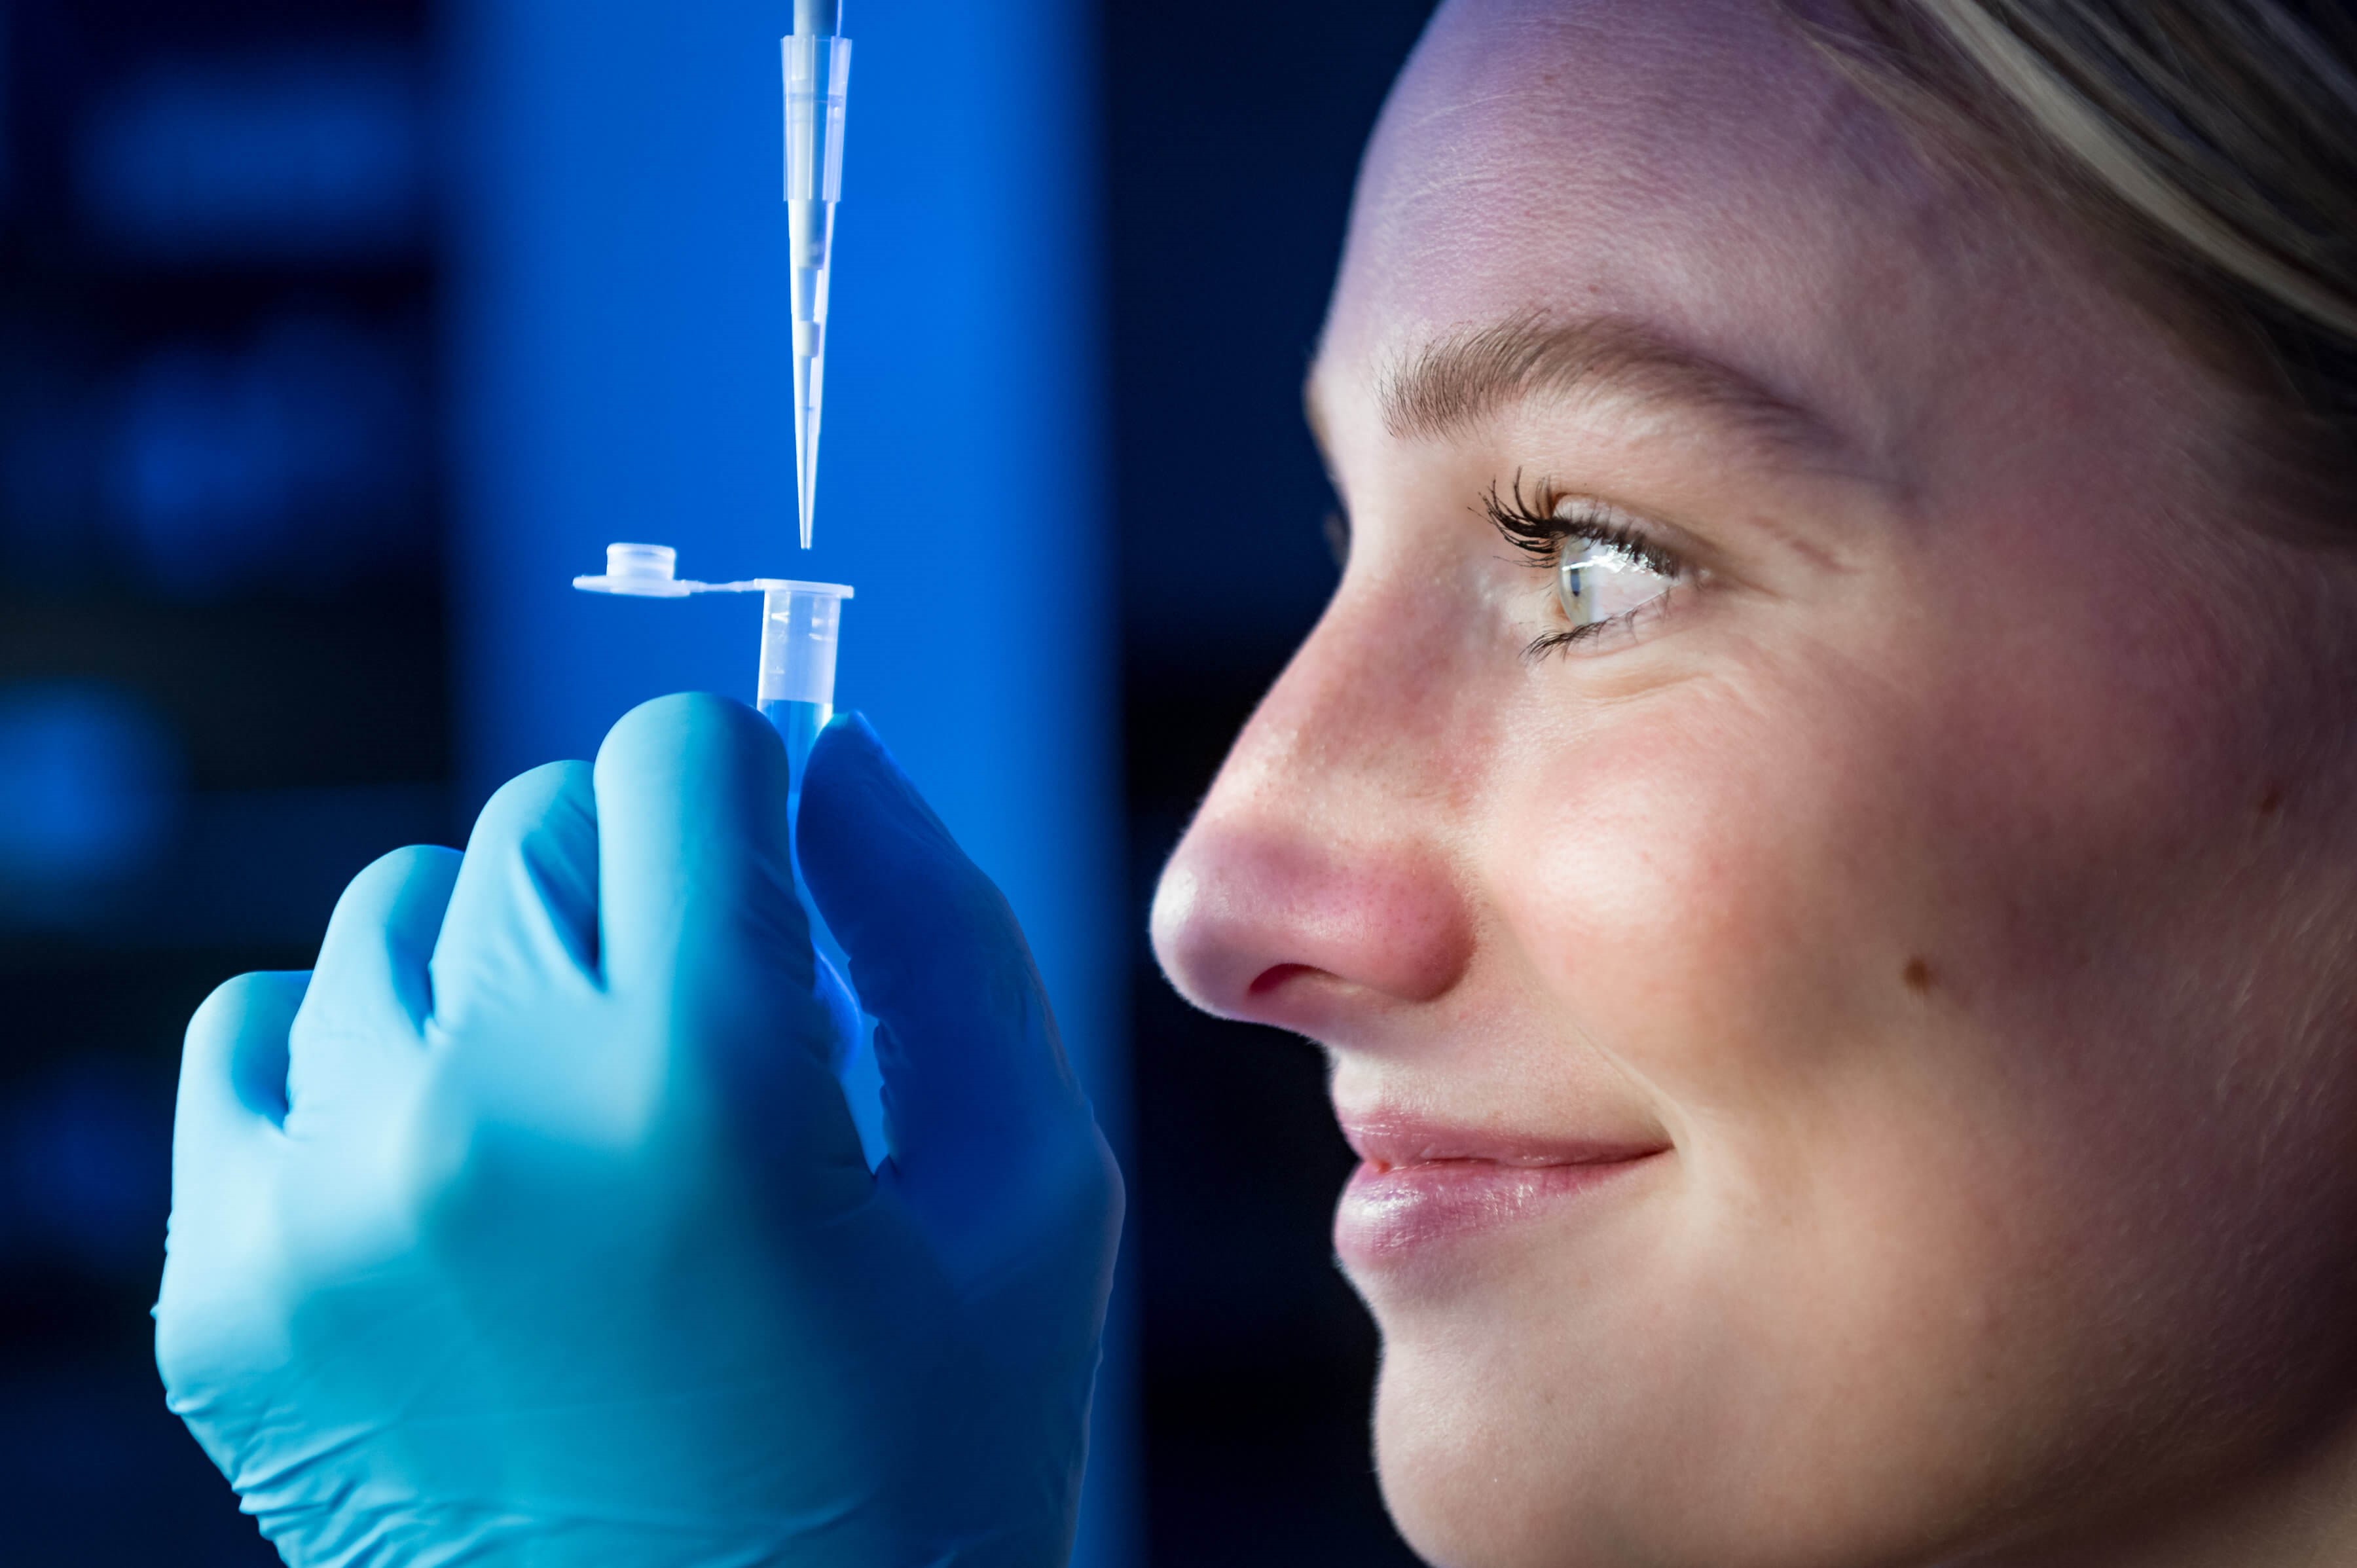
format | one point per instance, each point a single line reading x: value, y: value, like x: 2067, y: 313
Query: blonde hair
x: 2210, y: 143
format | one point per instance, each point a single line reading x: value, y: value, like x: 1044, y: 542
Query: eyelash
x: 1539, y: 528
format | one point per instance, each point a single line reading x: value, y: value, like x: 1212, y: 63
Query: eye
x: 1608, y: 569
x: 1600, y: 580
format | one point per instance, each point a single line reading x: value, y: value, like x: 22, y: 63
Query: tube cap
x: 647, y: 571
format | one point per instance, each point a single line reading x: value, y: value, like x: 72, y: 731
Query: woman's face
x: 1853, y: 1055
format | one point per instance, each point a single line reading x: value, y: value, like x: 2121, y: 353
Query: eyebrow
x: 1450, y: 386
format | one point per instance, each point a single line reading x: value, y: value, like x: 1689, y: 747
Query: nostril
x: 1274, y: 978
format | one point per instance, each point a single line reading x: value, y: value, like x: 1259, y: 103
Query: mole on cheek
x: 1917, y: 976
x: 2271, y: 801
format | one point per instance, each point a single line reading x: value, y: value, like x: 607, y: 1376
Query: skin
x: 1954, y: 874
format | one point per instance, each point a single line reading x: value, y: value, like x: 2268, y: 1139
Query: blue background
x: 333, y: 342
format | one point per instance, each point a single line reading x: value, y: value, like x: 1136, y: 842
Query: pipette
x: 818, y: 80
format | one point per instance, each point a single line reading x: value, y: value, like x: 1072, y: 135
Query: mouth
x: 1420, y: 1185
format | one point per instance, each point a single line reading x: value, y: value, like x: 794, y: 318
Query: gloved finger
x: 696, y: 908
x: 975, y: 1079
x: 233, y: 1066
x: 522, y: 920
x: 371, y: 992
x: 225, y: 1141
x: 694, y: 869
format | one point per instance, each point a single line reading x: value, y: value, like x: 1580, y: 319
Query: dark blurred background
x: 227, y: 683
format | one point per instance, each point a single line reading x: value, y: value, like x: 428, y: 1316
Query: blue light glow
x: 293, y: 461
x: 88, y: 791
x: 296, y: 155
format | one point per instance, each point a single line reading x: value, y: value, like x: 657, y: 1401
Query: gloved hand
x: 532, y: 1227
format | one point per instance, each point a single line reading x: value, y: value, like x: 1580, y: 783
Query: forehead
x: 1696, y: 166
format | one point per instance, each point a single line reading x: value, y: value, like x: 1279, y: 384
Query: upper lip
x: 1389, y: 1140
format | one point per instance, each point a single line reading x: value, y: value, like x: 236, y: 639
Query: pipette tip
x: 806, y: 410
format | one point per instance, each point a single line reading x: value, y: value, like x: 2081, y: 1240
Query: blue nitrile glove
x: 556, y: 1248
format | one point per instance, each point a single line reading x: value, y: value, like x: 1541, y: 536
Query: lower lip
x: 1387, y: 1214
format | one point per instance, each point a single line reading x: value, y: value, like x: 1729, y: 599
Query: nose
x: 1316, y: 878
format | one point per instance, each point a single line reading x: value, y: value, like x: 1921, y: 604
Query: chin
x: 1487, y: 1460
x: 1468, y: 1480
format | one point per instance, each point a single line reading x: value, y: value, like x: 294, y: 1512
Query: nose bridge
x: 1322, y: 859
x: 1363, y: 723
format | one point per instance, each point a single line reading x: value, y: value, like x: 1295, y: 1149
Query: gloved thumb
x: 976, y: 1086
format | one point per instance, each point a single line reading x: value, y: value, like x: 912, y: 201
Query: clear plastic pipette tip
x: 809, y: 372
x: 817, y: 78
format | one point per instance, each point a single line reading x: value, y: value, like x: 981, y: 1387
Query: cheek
x: 1705, y: 888
x: 1753, y: 886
